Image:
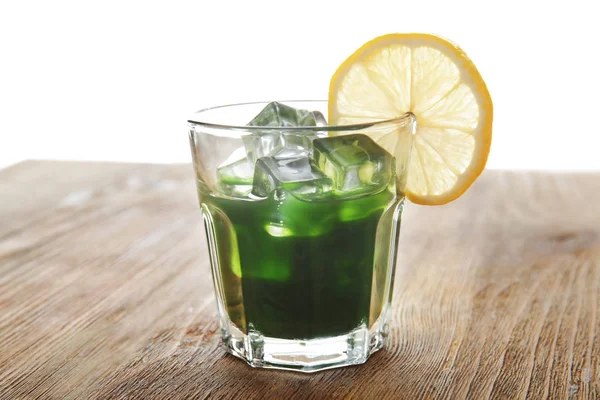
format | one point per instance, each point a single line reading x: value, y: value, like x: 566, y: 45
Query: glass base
x: 312, y: 355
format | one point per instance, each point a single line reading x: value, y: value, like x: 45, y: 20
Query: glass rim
x: 404, y: 119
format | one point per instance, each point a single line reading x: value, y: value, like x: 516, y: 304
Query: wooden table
x: 105, y: 292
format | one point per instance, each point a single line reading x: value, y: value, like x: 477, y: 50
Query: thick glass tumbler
x: 302, y: 226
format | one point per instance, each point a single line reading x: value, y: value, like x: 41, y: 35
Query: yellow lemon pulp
x: 433, y: 79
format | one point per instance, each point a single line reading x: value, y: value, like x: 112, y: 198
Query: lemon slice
x: 433, y: 79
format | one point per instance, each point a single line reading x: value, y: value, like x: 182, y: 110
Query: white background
x: 116, y: 80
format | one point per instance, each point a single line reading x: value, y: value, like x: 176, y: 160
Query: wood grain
x: 105, y: 292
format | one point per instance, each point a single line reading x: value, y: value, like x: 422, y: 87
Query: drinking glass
x: 303, y: 280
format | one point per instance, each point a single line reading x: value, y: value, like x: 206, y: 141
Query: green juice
x: 294, y: 268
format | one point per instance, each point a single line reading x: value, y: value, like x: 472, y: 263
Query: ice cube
x: 298, y: 175
x: 281, y: 144
x: 239, y: 172
x: 262, y: 144
x: 278, y: 114
x: 234, y: 176
x: 296, y: 145
x: 355, y: 163
x: 236, y: 155
x: 320, y: 118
